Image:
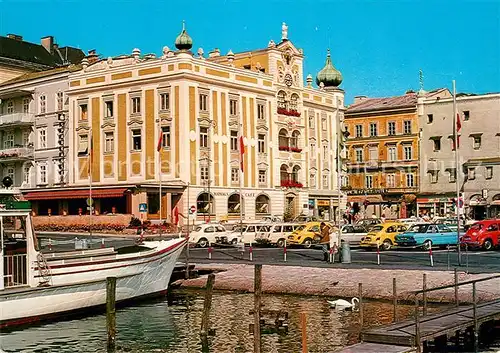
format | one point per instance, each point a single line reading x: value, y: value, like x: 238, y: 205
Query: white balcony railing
x: 17, y: 118
x: 16, y: 153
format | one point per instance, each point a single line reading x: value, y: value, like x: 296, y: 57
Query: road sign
x: 192, y: 209
x: 143, y: 207
x: 90, y: 201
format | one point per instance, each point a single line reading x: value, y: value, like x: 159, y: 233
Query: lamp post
x: 340, y: 146
x: 207, y: 158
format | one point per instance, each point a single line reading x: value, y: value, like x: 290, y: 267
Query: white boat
x: 35, y: 286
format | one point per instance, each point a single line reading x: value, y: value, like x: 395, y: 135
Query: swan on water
x: 344, y: 304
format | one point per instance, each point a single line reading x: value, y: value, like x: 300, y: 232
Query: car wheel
x: 203, y: 243
x: 234, y: 241
x: 487, y: 245
x: 427, y: 245
x: 307, y: 243
x: 280, y: 243
x: 387, y: 244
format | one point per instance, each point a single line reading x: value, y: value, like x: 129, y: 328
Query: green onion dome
x: 329, y: 75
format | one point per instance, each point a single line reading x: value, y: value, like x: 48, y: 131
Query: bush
x: 135, y: 222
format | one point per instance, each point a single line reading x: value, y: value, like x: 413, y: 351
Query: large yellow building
x: 202, y: 105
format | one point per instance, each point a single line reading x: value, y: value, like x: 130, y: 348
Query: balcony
x: 290, y: 149
x: 17, y: 119
x: 288, y: 112
x: 291, y: 184
x: 16, y: 154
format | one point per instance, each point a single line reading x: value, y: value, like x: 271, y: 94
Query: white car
x: 250, y: 231
x: 353, y: 233
x: 276, y: 234
x: 209, y: 233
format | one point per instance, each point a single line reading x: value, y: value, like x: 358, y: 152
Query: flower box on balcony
x: 287, y: 112
x: 291, y: 184
x: 295, y: 149
x: 284, y: 148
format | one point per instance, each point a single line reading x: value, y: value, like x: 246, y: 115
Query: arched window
x: 234, y: 204
x: 296, y: 173
x: 294, y: 102
x: 294, y: 140
x: 205, y: 203
x: 283, y: 139
x: 282, y: 99
x: 262, y: 204
x: 284, y: 173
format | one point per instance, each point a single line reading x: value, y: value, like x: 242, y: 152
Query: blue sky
x: 379, y: 46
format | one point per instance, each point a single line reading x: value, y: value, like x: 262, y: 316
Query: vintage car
x: 212, y: 233
x: 382, y: 235
x: 249, y: 231
x: 276, y: 234
x: 483, y: 234
x: 353, y: 233
x: 307, y: 234
x: 426, y: 236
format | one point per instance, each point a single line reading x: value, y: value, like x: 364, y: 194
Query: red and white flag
x: 459, y: 126
x: 160, y: 141
x: 242, y: 152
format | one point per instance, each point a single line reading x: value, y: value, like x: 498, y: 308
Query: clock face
x: 288, y: 80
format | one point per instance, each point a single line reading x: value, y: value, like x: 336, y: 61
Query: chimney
x: 214, y: 53
x: 15, y: 36
x: 358, y: 99
x: 92, y: 56
x: 48, y: 43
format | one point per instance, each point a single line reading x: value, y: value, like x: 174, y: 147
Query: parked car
x: 306, y: 234
x: 250, y: 231
x: 483, y: 234
x: 452, y: 224
x: 210, y: 233
x: 271, y: 219
x: 426, y: 235
x: 276, y: 234
x: 302, y: 218
x: 353, y: 233
x: 368, y: 222
x: 382, y: 235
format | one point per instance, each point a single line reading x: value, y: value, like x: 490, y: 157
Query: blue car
x: 426, y: 235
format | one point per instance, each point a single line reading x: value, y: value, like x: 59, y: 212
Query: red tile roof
x: 369, y: 104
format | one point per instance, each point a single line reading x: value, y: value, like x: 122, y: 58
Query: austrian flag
x: 160, y: 141
x: 242, y: 152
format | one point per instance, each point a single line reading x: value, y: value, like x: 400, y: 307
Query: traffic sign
x: 90, y: 201
x: 192, y: 209
x: 143, y: 207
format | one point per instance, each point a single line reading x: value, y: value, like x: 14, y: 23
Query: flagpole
x: 160, y: 174
x: 457, y: 179
x: 90, y: 186
x: 241, y: 179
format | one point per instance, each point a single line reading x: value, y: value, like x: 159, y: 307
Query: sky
x: 379, y: 46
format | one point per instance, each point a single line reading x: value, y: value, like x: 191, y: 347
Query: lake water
x: 173, y: 326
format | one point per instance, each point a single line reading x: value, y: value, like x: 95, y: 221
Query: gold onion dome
x: 329, y: 75
x: 183, y: 40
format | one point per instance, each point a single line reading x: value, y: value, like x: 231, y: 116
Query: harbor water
x: 173, y: 325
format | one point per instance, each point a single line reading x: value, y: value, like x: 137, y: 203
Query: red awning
x: 73, y: 194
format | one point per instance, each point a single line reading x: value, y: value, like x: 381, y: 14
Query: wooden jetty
x: 413, y: 334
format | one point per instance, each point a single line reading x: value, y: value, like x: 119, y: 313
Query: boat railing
x: 15, y: 270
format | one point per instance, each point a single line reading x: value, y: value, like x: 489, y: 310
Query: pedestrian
x: 382, y: 218
x: 325, y: 231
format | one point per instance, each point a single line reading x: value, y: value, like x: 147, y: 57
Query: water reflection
x: 174, y: 326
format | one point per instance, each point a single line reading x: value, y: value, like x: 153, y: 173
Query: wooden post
x: 456, y: 288
x: 417, y: 325
x: 256, y: 308
x: 303, y: 324
x: 474, y: 314
x: 111, y: 312
x: 360, y: 295
x: 207, y: 304
x: 394, y: 299
x: 424, y: 294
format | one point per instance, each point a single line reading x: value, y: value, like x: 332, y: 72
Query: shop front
x: 436, y: 206
x: 494, y: 211
x: 323, y: 207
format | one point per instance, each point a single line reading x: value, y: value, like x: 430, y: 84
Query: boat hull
x: 83, y: 286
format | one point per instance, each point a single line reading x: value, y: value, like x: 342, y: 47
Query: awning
x: 369, y: 198
x: 74, y: 194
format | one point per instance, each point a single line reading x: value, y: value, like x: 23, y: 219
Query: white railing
x: 16, y: 152
x: 15, y: 270
x: 17, y: 118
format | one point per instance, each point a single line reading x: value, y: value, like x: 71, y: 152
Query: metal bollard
x: 209, y: 251
x: 431, y: 257
x: 332, y: 254
x: 346, y: 253
x: 378, y: 254
x: 250, y: 252
x: 284, y: 252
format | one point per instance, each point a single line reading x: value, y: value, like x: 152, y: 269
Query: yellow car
x: 383, y: 235
x: 306, y: 234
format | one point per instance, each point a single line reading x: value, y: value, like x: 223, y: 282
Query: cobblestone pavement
x: 338, y: 282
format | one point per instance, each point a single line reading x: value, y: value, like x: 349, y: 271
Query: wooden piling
x: 474, y: 314
x: 360, y: 297
x: 394, y: 300
x: 417, y: 325
x: 424, y: 294
x: 257, y: 307
x: 111, y: 312
x: 207, y: 304
x: 303, y: 325
x: 456, y: 287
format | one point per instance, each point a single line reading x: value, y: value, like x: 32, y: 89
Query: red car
x: 483, y: 234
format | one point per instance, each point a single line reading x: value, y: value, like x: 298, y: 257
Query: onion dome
x: 329, y: 75
x: 183, y: 40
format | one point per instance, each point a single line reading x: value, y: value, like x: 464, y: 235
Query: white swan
x: 343, y: 304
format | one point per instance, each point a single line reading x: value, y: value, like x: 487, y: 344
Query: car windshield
x: 376, y: 228
x: 197, y: 229
x: 418, y: 228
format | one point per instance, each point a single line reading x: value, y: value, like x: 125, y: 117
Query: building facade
x: 383, y: 166
x: 119, y: 107
x: 18, y: 57
x: 479, y: 155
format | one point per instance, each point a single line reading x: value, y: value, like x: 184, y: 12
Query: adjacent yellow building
x: 118, y: 106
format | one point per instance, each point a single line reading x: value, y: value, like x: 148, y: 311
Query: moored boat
x: 36, y: 285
